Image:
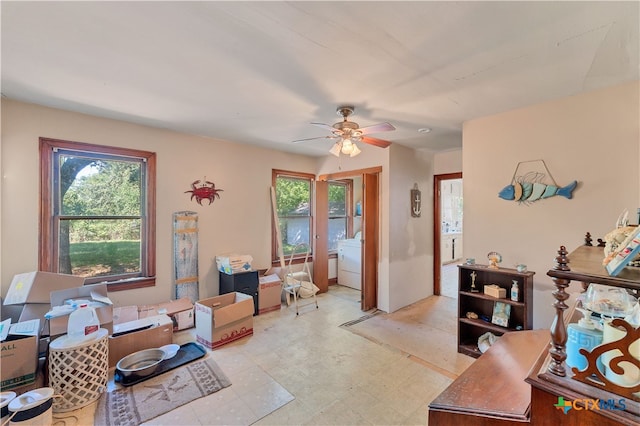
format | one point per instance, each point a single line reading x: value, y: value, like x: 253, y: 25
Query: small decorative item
x: 534, y: 185
x: 501, y: 313
x: 473, y: 282
x: 204, y: 191
x: 471, y: 315
x: 416, y: 199
x: 494, y: 258
x: 495, y: 290
x: 616, y: 240
x: 515, y: 291
x: 521, y: 267
x: 626, y: 252
x: 470, y: 261
x: 486, y: 340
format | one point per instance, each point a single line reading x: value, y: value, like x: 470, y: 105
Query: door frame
x: 321, y: 236
x: 437, y: 227
x: 370, y: 233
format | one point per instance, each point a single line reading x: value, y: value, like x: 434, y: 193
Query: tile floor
x: 315, y: 371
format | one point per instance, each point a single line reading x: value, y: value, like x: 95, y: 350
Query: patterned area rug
x: 146, y: 400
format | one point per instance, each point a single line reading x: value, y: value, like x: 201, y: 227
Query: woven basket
x: 78, y: 373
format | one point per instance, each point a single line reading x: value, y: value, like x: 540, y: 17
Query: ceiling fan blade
x: 382, y: 127
x: 325, y: 126
x: 310, y: 139
x: 375, y: 141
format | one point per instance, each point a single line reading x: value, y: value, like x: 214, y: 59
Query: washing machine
x: 350, y: 263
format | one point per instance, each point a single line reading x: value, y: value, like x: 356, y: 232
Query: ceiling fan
x: 348, y: 133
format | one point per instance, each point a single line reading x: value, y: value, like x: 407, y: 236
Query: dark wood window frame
x: 48, y: 241
x: 275, y: 173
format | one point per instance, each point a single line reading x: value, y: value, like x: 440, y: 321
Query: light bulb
x: 355, y: 151
x: 335, y: 149
x: 347, y: 146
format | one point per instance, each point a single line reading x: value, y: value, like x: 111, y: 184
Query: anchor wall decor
x: 416, y: 201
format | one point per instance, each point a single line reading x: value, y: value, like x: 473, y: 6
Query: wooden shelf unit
x: 521, y: 316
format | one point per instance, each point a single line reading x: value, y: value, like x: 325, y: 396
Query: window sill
x: 131, y: 284
x: 296, y: 261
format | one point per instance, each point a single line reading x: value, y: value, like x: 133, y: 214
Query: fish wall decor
x: 532, y: 187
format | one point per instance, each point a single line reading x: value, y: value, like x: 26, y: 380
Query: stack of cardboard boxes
x: 25, y: 347
x: 218, y: 320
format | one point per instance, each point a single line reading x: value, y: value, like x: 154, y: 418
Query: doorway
x: 369, y: 232
x: 447, y: 232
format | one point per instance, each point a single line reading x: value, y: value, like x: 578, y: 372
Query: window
x: 98, y: 213
x: 294, y: 195
x: 339, y: 202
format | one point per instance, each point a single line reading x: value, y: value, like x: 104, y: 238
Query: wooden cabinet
x: 520, y: 315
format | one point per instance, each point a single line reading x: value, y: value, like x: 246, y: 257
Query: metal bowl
x: 141, y: 363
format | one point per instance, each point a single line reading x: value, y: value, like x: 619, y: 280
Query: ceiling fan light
x: 355, y: 151
x: 335, y: 149
x: 347, y: 146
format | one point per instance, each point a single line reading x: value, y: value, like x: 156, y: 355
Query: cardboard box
x: 35, y: 287
x: 95, y: 292
x: 224, y: 319
x: 232, y: 263
x: 269, y: 293
x: 495, y: 291
x: 124, y: 314
x: 33, y: 291
x: 180, y: 311
x: 19, y: 355
x: 145, y: 333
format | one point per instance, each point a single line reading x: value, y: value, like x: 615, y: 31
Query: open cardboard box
x: 224, y: 319
x: 36, y: 287
x: 95, y: 292
x: 133, y: 336
x: 19, y: 354
x: 33, y: 291
x: 180, y: 311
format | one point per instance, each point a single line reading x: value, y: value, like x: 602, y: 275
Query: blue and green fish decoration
x: 529, y: 188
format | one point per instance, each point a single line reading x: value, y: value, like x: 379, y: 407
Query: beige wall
x: 593, y: 138
x: 447, y: 162
x: 411, y: 238
x: 239, y: 221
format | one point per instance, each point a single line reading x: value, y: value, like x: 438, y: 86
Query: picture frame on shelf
x: 501, y: 314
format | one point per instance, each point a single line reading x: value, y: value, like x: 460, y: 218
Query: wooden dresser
x: 492, y: 391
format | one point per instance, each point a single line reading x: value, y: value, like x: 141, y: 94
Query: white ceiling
x: 260, y: 72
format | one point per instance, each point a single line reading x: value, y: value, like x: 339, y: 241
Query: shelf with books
x: 479, y: 313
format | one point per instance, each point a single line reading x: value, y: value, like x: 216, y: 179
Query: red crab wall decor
x: 204, y: 191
